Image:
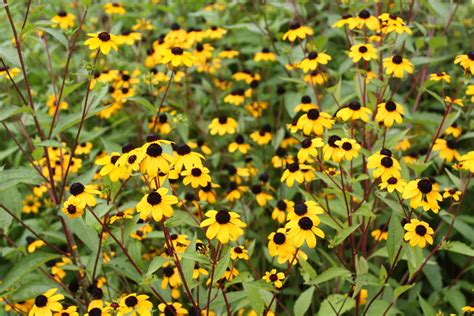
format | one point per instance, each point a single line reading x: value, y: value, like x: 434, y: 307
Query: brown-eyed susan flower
x: 418, y: 233
x: 280, y: 158
x: 447, y: 149
x: 142, y: 232
x: 31, y: 204
x: 68, y: 311
x: 468, y: 309
x: 121, y: 215
x: 175, y: 309
x: 403, y: 145
x: 104, y: 41
x: 364, y: 18
x: 282, y: 208
x: 155, y: 159
x: 180, y: 242
x: 309, y: 149
x: 264, y: 55
x: 239, y: 252
x: 7, y: 72
x: 236, y: 97
x: 449, y: 100
x: 392, y: 23
x: 314, y: 122
x: 262, y: 136
x: 142, y: 25
x: 129, y: 38
x: 183, y: 157
x: 381, y: 233
x: 222, y: 125
x: 423, y: 193
x: 304, y: 230
x: 384, y: 165
x: 349, y: 149
x: 454, y: 130
x: 315, y: 77
x: 469, y: 90
x: 235, y: 191
x: 223, y: 225
x: 343, y: 21
x: 366, y: 52
x: 389, y: 112
x: 114, y: 8
x: 47, y: 303
x: 176, y: 57
x: 73, y: 207
x: 297, y: 31
x: 34, y: 244
x: 331, y: 150
x: 397, y: 66
x: 158, y: 203
x: 392, y: 183
x: 312, y: 61
x: 239, y: 144
x: 97, y: 307
x: 293, y: 174
x: 441, y: 76
x: 84, y: 193
x: 215, y: 32
x: 452, y: 193
x: 198, y: 271
x: 83, y: 148
x: 63, y: 19
x: 111, y: 168
x: 467, y: 161
x: 198, y: 176
x: 228, y: 53
x: 261, y: 196
x: 134, y: 304
x: 274, y: 277
x: 52, y: 104
x: 208, y: 193
x: 354, y: 111
x: 229, y: 274
x: 305, y: 105
x: 466, y: 61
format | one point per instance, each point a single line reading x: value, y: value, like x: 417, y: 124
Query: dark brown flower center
x: 295, y: 26
x: 76, y: 188
x: 95, y: 312
x: 392, y: 180
x: 279, y: 238
x: 71, y: 209
x: 281, y: 205
x: 306, y: 99
x: 239, y: 139
x: 154, y: 150
x: 177, y: 51
x: 347, y: 146
x: 390, y: 106
x: 154, y: 198
x: 222, y: 119
x: 62, y: 13
x: 183, y: 150
x: 420, y: 230
x: 223, y: 217
x: 238, y: 250
x: 41, y: 301
x: 294, y: 167
x: 131, y: 301
x: 273, y: 277
x: 332, y: 140
x: 354, y: 106
x: 397, y: 59
x: 301, y: 209
x: 425, y: 186
x: 387, y: 162
x: 104, y: 36
x: 306, y: 143
x: 305, y: 223
x: 313, y: 114
x: 364, y: 14
x: 363, y: 49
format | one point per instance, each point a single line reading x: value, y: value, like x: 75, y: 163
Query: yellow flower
x: 228, y: 53
x: 315, y: 77
x: 85, y: 194
x: 73, y: 207
x: 129, y: 38
x: 263, y: 136
x: 345, y: 20
x: 97, y: 307
x: 239, y: 144
x: 134, y: 304
x: 389, y: 112
x: 239, y: 252
x: 447, y: 149
x: 142, y: 25
x: 349, y: 149
x: 385, y: 165
x: 69, y: 311
x: 63, y: 105
x: 423, y: 193
x: 297, y: 31
x: 354, y: 111
x: 158, y: 203
x: 175, y: 309
x: 380, y: 233
x: 314, y: 122
x: 223, y: 225
x: 236, y: 97
x: 466, y: 61
x: 197, y: 176
x: 294, y: 173
x: 440, y: 76
x: 63, y: 19
x: 332, y: 150
x: 448, y: 100
x: 274, y: 277
x: 7, y: 72
x: 313, y: 60
x: 454, y: 193
x: 34, y: 244
x: 397, y: 66
x: 215, y: 32
x: 264, y: 55
x: 392, y: 184
x: 176, y: 57
x: 364, y: 18
x: 222, y: 125
x: 418, y: 233
x: 111, y: 168
x: 304, y: 230
x: 47, y: 303
x: 31, y: 204
x: 362, y: 51
x: 104, y: 41
x: 114, y: 8
x: 467, y: 161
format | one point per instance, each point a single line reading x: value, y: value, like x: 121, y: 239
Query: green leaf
x: 252, y: 289
x: 344, y: 233
x: 336, y: 304
x: 426, y: 307
x: 223, y: 264
x: 50, y: 143
x: 12, y: 177
x: 123, y: 266
x: 56, y: 34
x: 399, y: 290
x: 181, y: 218
x: 303, y: 302
x: 11, y: 110
x: 11, y: 199
x: 142, y: 101
x: 459, y: 247
x: 395, y: 237
x: 25, y: 266
x: 155, y: 264
x: 331, y: 273
x: 85, y: 233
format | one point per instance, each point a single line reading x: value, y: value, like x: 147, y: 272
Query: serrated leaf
x: 303, y: 302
